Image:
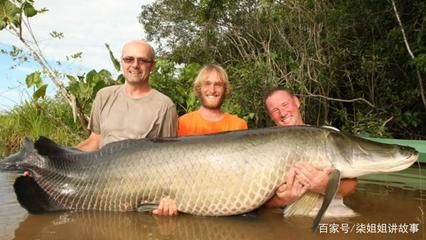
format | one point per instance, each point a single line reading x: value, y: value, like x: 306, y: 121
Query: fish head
x: 357, y: 156
x: 18, y: 161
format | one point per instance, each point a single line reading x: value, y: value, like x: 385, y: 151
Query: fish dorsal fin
x: 163, y: 140
x: 140, y: 143
x: 14, y: 161
x: 124, y: 144
x: 47, y: 147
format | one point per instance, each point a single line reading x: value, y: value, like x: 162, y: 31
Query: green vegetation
x: 47, y: 117
x: 347, y: 60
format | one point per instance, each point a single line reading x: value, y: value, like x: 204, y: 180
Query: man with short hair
x: 283, y: 108
x: 132, y: 110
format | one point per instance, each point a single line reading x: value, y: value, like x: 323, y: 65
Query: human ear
x: 296, y: 101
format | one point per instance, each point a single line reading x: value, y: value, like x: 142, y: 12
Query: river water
x: 390, y: 206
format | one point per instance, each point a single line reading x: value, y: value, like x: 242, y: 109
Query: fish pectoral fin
x: 304, y: 205
x: 250, y: 215
x: 337, y: 209
x: 330, y: 192
x: 147, y: 207
x: 309, y: 200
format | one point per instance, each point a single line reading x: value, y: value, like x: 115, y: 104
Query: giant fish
x: 214, y: 175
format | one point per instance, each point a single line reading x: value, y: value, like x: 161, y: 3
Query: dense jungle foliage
x: 346, y: 60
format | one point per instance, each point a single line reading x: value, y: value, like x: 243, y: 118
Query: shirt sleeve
x: 95, y: 116
x: 169, y: 125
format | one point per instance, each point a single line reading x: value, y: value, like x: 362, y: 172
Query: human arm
x: 92, y: 143
x: 318, y: 179
x: 315, y: 179
x: 288, y: 192
x: 347, y: 186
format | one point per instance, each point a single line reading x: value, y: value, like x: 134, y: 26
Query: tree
x: 15, y: 18
x: 347, y: 59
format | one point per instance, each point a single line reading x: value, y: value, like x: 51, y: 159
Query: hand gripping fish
x: 215, y: 175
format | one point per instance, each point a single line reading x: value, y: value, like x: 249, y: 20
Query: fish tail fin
x: 14, y: 161
x: 32, y: 197
x: 147, y: 207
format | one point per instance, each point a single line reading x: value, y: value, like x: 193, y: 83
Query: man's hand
x: 167, y: 207
x: 316, y: 179
x: 292, y: 189
x: 301, y: 177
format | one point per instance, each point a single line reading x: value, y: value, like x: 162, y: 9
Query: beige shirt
x: 116, y: 116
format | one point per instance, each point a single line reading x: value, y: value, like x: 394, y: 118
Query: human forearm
x: 92, y: 143
x: 347, y: 186
x: 288, y: 192
x: 276, y: 201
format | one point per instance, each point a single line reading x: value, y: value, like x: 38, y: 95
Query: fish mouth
x: 404, y: 163
x: 412, y: 158
x: 369, y: 167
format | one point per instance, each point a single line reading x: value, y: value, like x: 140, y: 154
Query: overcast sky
x: 86, y: 25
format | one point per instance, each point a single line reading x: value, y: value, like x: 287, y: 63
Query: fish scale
x: 215, y: 175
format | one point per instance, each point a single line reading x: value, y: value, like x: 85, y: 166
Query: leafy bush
x: 46, y: 117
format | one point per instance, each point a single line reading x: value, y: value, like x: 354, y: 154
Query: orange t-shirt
x: 193, y: 124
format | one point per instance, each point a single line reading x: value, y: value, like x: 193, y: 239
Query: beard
x: 209, y: 104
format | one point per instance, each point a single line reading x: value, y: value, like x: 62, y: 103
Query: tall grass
x: 46, y: 117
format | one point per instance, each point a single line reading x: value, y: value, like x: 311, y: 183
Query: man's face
x: 283, y: 109
x: 212, y: 91
x: 137, y: 62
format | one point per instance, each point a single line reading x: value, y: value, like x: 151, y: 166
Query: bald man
x: 132, y: 110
